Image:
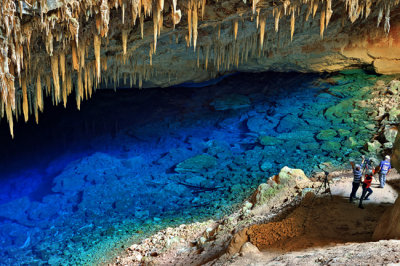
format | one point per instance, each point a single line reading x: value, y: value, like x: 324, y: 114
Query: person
x: 366, y: 186
x: 384, y: 169
x: 356, y: 179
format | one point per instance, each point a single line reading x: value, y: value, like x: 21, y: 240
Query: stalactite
x: 322, y: 24
x: 189, y: 14
x: 97, y: 44
x: 195, y: 20
x: 62, y: 66
x: 262, y: 31
x: 203, y: 7
x: 75, y: 60
x: 82, y: 52
x: 315, y: 7
x: 155, y: 31
x: 235, y: 28
x: 329, y: 12
x: 56, y: 78
x: 124, y: 40
x: 39, y: 95
x: 24, y: 98
x: 277, y: 17
x: 141, y: 26
x: 292, y: 22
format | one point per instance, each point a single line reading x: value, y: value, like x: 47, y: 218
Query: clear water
x: 80, y: 185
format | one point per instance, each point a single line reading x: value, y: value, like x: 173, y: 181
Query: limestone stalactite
x: 69, y: 29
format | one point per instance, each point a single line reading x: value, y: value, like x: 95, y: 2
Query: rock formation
x: 57, y: 47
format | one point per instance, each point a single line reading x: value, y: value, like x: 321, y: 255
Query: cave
x: 198, y: 132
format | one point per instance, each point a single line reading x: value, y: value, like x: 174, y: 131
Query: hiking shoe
x: 360, y: 206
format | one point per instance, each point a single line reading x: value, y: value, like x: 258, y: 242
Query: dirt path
x: 331, y: 231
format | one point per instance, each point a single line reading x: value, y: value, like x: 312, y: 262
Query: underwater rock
x: 233, y: 101
x: 340, y: 110
x: 266, y: 166
x: 259, y: 125
x: 330, y: 146
x: 326, y: 134
x: 309, y: 146
x: 196, y: 164
x: 16, y: 210
x: 289, y: 123
x: 220, y: 149
x: 269, y: 140
x: 343, y: 132
x: 300, y: 135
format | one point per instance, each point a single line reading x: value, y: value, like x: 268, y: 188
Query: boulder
x: 196, y: 164
x: 248, y: 248
x: 340, y: 110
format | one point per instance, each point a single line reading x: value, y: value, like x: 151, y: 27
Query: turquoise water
x: 80, y: 185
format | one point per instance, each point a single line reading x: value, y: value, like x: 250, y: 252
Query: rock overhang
x: 57, y: 48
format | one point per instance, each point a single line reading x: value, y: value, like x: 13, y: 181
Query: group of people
x: 358, y: 170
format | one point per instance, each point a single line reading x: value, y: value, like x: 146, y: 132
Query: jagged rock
x: 374, y: 146
x: 390, y: 133
x: 228, y: 102
x: 326, y: 134
x: 196, y: 164
x: 394, y: 114
x: 351, y: 142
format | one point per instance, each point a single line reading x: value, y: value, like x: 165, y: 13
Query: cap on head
x: 387, y: 157
x: 369, y: 172
x: 358, y: 166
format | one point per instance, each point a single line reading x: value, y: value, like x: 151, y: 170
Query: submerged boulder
x: 234, y: 101
x: 196, y: 164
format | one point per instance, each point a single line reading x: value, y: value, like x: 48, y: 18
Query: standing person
x: 384, y: 169
x: 366, y: 186
x: 357, y: 178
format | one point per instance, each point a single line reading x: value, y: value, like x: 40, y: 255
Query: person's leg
x: 369, y: 190
x: 354, y: 190
x: 362, y: 197
x: 383, y: 180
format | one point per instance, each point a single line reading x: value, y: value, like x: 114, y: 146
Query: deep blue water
x: 81, y: 182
